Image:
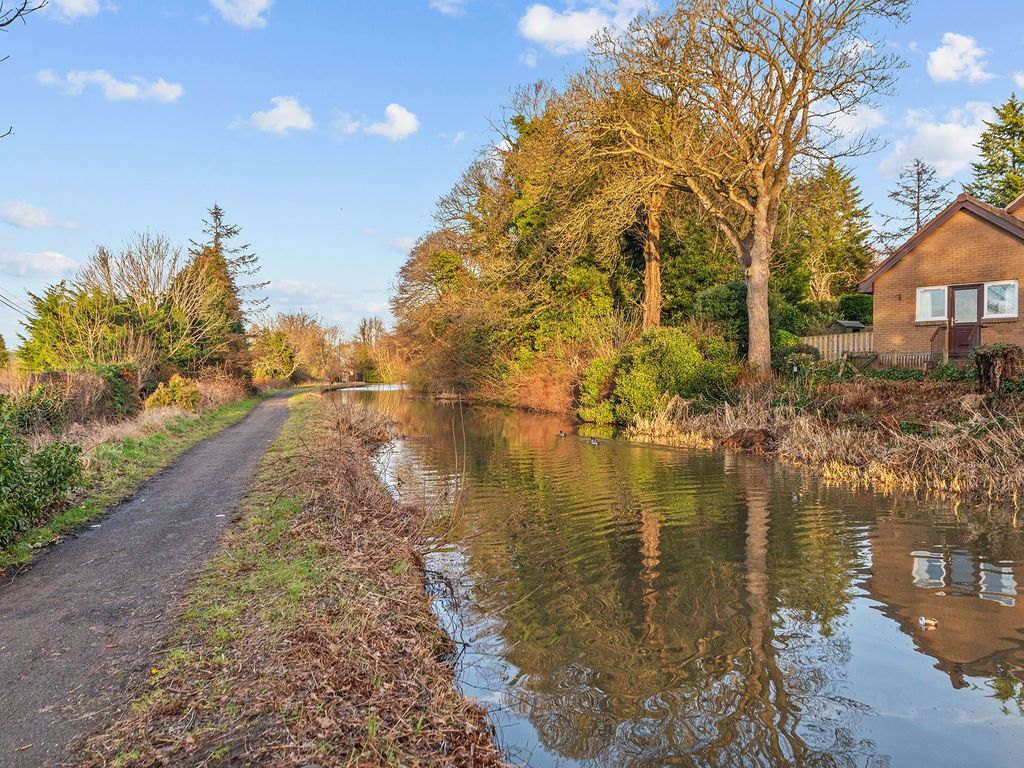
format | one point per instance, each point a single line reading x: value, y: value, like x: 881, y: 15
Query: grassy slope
x: 118, y: 469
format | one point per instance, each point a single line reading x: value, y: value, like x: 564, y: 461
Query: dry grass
x: 309, y: 638
x: 216, y: 391
x: 146, y: 423
x: 885, y: 436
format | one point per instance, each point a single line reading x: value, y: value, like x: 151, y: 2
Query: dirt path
x: 85, y: 620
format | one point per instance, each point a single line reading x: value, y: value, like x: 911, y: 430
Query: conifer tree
x: 919, y: 197
x: 999, y: 174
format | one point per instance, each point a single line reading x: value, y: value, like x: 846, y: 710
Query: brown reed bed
x: 309, y: 638
x: 890, y: 437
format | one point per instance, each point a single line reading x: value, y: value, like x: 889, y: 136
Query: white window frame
x: 945, y: 305
x: 1012, y: 316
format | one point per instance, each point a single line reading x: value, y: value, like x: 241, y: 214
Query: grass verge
x: 117, y: 468
x: 308, y: 638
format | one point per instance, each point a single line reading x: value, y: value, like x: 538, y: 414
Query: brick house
x: 955, y: 284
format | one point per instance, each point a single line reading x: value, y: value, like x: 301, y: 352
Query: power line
x: 13, y: 299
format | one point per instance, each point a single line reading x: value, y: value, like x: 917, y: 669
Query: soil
x: 80, y: 625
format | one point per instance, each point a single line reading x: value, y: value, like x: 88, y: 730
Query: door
x: 965, y: 319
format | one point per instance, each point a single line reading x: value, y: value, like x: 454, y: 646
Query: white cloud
x: 947, y: 142
x: 41, y: 263
x: 403, y: 243
x: 69, y: 10
x: 399, y: 123
x: 458, y: 138
x: 958, y: 58
x: 528, y: 58
x: 286, y: 115
x: 569, y: 31
x: 1018, y: 78
x: 27, y: 216
x: 345, y: 125
x: 134, y: 89
x: 247, y: 14
x: 858, y: 121
x: 449, y: 7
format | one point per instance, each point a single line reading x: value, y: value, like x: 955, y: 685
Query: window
x: 931, y: 303
x: 1001, y: 299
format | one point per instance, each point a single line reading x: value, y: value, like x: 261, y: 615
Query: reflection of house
x: 980, y: 618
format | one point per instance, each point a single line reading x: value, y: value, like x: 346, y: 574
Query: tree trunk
x: 652, y: 261
x: 759, y: 348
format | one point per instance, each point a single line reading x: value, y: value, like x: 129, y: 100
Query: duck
x: 927, y: 623
x: 561, y: 433
x: 594, y: 441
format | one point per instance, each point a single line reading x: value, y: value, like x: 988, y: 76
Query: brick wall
x: 965, y: 249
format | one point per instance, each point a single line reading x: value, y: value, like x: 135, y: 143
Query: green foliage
x: 952, y: 372
x: 671, y: 362
x: 857, y: 306
x: 178, y: 392
x: 39, y: 409
x: 785, y: 357
x: 726, y: 306
x: 32, y: 482
x: 999, y: 174
x: 897, y: 374
x: 817, y: 316
x: 595, y: 389
x: 273, y: 356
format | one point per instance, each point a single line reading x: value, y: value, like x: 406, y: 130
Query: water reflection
x: 630, y: 605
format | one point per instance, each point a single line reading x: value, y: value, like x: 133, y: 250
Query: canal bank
x: 308, y: 638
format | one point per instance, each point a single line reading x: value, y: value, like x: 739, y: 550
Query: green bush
x: 857, y: 306
x: 668, y: 362
x: 725, y: 305
x: 595, y: 389
x: 897, y: 374
x: 178, y: 392
x: 123, y: 381
x: 952, y: 372
x: 32, y: 483
x: 40, y: 409
x: 802, y: 355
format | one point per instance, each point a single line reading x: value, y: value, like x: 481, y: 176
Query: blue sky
x: 328, y: 129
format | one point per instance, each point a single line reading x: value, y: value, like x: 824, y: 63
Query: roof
x: 998, y: 217
x: 1015, y: 205
x: 850, y: 323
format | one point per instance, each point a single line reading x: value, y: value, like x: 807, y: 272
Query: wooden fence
x: 833, y: 346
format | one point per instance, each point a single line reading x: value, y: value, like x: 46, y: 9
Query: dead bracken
x: 309, y: 638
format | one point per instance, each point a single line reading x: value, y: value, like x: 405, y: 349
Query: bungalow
x: 954, y: 285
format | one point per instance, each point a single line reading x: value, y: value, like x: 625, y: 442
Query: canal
x: 618, y: 604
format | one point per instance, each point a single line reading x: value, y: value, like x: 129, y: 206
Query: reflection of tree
x: 656, y: 607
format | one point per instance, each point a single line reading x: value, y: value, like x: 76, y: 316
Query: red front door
x: 964, y: 319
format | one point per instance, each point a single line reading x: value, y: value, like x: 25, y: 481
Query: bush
x: 32, y: 483
x: 178, y: 392
x: 215, y: 391
x: 672, y: 362
x: 595, y: 391
x: 801, y: 355
x: 34, y: 411
x: 897, y: 374
x: 725, y: 305
x: 857, y: 306
x: 951, y: 372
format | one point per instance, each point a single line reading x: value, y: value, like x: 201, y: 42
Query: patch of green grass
x: 119, y: 468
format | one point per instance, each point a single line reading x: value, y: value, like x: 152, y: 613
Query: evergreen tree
x: 225, y: 263
x: 4, y: 354
x: 999, y: 175
x: 919, y: 197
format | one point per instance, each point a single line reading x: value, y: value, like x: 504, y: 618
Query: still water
x: 623, y: 604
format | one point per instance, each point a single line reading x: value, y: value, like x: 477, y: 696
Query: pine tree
x: 999, y: 175
x: 919, y: 197
x: 225, y: 263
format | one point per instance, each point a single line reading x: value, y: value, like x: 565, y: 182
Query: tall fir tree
x: 999, y: 174
x: 919, y: 196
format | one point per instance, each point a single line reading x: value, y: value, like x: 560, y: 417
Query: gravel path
x: 86, y: 620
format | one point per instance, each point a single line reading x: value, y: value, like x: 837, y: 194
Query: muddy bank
x: 309, y: 638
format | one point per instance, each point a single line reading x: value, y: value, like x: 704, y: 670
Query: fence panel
x: 834, y: 345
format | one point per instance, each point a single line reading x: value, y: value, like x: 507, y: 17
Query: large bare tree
x: 723, y: 97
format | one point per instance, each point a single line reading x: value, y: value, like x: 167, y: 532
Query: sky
x: 327, y: 129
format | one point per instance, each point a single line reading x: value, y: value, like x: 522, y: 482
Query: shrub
x: 726, y: 306
x: 817, y: 316
x: 32, y: 483
x: 672, y: 362
x: 801, y: 355
x: 951, y: 372
x: 857, y: 306
x: 595, y: 391
x: 215, y: 391
x: 178, y: 392
x: 897, y: 374
x: 37, y: 410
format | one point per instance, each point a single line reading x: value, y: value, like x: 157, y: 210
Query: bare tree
x: 9, y: 14
x: 724, y: 96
